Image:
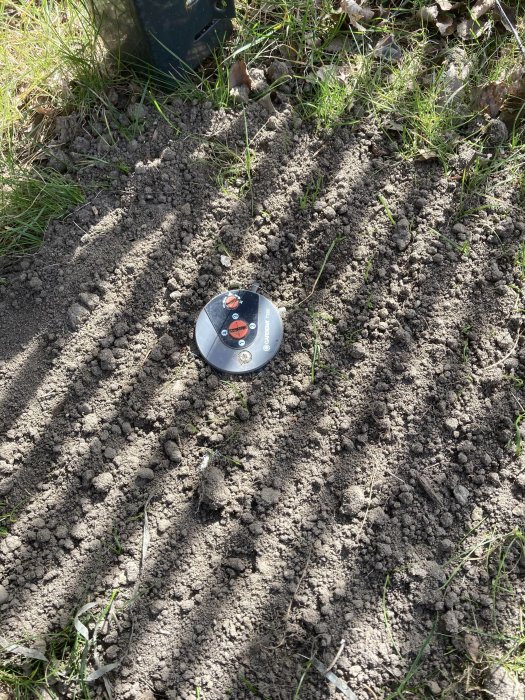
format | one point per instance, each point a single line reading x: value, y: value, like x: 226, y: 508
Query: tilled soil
x: 341, y: 480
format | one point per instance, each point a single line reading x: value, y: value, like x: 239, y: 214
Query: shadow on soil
x: 286, y: 563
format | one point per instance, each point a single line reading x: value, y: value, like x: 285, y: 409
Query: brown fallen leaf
x: 356, y: 12
x: 239, y: 76
x: 472, y: 646
x: 387, y: 49
x: 240, y: 82
x: 504, y: 99
x: 492, y: 97
x: 45, y: 111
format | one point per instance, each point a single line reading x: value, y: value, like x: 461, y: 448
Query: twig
x: 329, y: 252
x: 499, y: 362
x: 286, y: 616
x: 428, y: 489
x: 336, y: 657
x: 305, y: 568
x: 511, y: 26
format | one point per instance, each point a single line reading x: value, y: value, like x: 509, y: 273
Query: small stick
x: 336, y: 657
x: 325, y: 260
x: 287, y: 615
x: 511, y: 26
x: 427, y: 488
x: 499, y: 362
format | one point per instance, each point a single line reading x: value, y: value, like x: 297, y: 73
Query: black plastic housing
x: 171, y: 36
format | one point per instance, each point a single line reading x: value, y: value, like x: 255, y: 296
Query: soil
x: 326, y: 510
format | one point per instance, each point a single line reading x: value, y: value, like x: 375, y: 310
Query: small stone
x: 434, y: 688
x: 236, y: 564
x: 89, y: 300
x: 226, y: 261
x: 242, y: 413
x: 79, y: 531
x: 146, y: 473
x: 496, y: 132
x: 132, y: 571
x: 212, y: 489
x: 452, y: 424
x: 163, y: 525
x: 6, y: 486
x: 461, y: 494
x: 187, y: 605
x: 4, y: 595
x: 12, y: 542
x: 107, y: 360
x: 103, y: 482
x: 357, y: 351
x: 278, y: 70
x: 43, y: 535
x: 172, y: 451
x: 77, y: 315
x: 353, y: 500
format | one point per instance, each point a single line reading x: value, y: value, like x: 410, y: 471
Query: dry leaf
x: 445, y: 5
x: 393, y: 126
x: 356, y: 12
x: 464, y: 28
x: 467, y: 29
x: 446, y: 25
x: 239, y: 76
x: 481, y: 8
x: 45, y: 111
x: 472, y: 646
x: 388, y: 49
x: 507, y: 17
x: 429, y: 14
x: 504, y: 98
x: 492, y: 97
x: 426, y: 154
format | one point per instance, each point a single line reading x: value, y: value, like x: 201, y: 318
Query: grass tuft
x: 29, y: 199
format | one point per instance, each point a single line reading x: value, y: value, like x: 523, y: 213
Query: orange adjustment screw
x: 238, y: 329
x: 231, y: 302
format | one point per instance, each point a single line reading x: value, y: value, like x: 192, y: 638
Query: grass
x: 517, y: 441
x: 499, y: 641
x: 29, y: 200
x: 60, y: 664
x: 51, y: 65
x: 519, y: 259
x: 234, y: 169
x: 311, y: 193
x: 7, y: 517
x: 69, y: 71
x: 316, y: 317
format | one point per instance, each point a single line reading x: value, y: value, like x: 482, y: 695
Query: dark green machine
x: 170, y: 36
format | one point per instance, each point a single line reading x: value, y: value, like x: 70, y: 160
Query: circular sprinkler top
x: 239, y: 331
